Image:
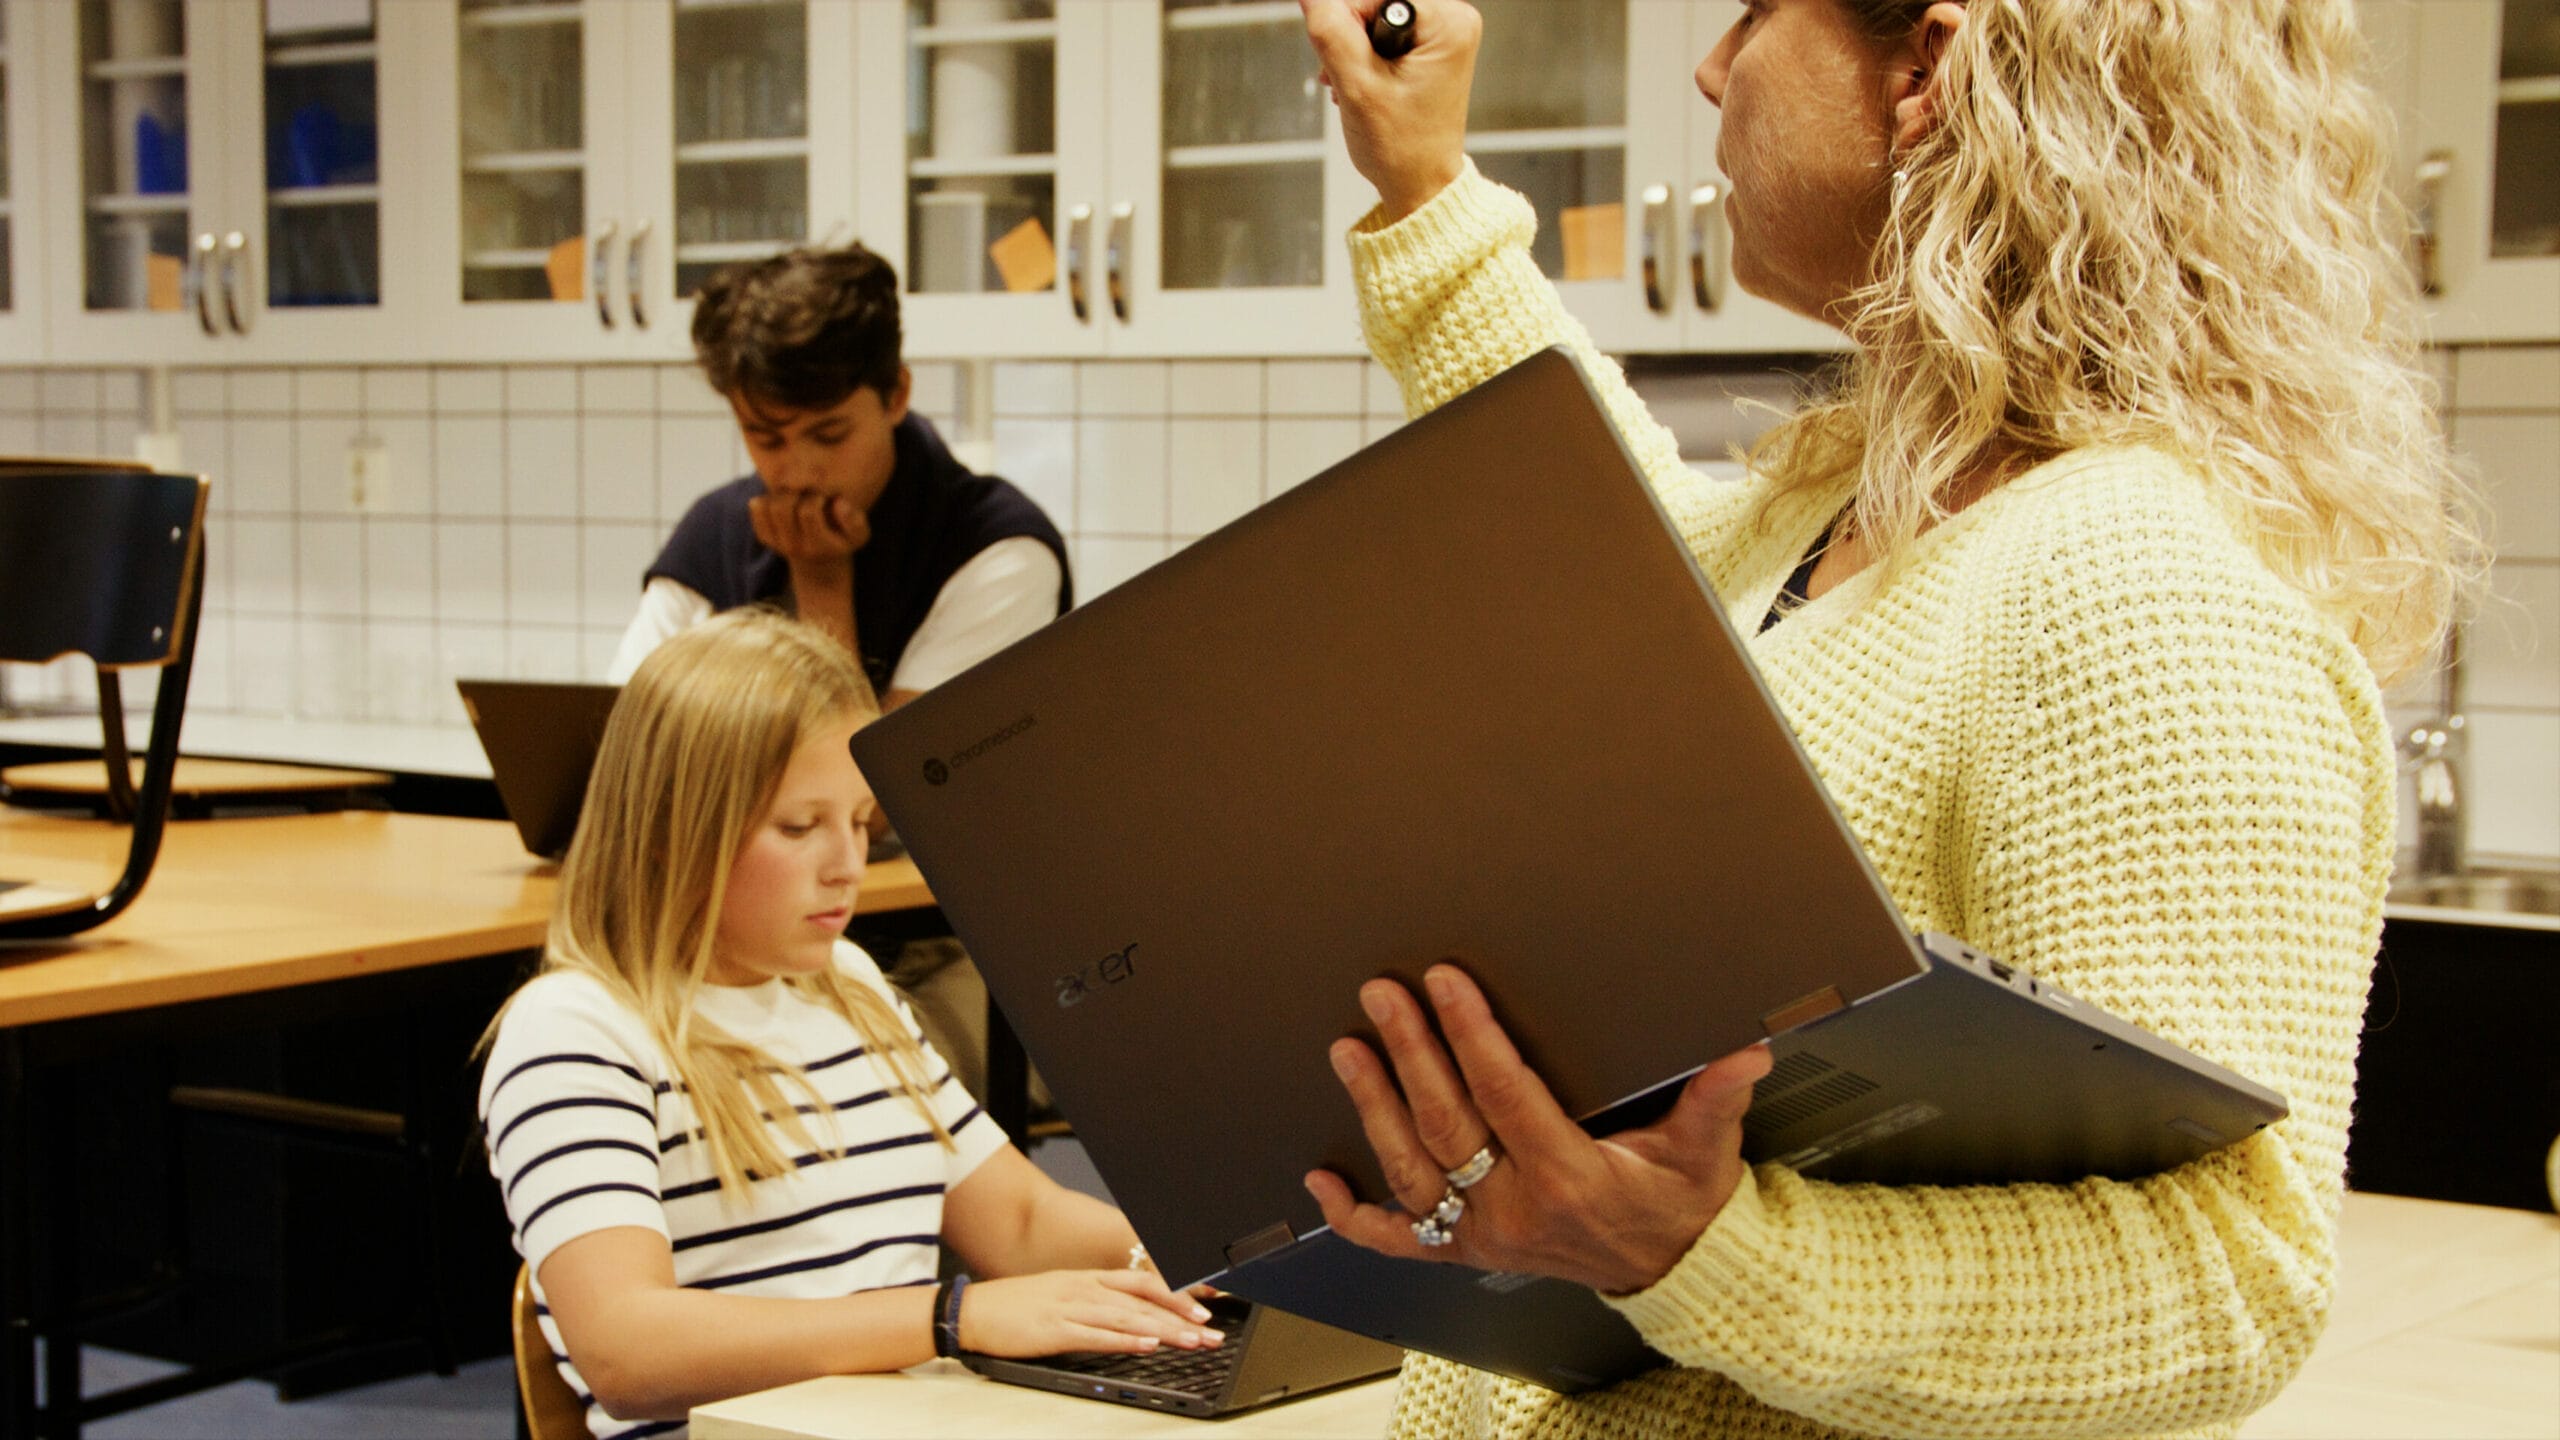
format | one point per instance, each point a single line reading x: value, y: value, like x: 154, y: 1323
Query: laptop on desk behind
x: 1464, y: 695
x: 541, y: 738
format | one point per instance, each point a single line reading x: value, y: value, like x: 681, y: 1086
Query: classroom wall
x: 524, y: 502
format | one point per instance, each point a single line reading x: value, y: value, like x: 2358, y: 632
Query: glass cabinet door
x: 2524, y: 212
x: 1548, y: 117
x: 133, y: 154
x: 322, y: 159
x: 522, y: 112
x: 1583, y: 109
x: 1244, y: 149
x: 991, y: 215
x: 982, y: 147
x: 742, y: 139
x: 1230, y: 188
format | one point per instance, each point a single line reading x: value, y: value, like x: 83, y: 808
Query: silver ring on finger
x: 1474, y: 1168
x: 1440, y: 1227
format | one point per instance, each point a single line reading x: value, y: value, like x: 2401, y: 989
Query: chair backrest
x: 97, y: 562
x: 105, y: 561
x: 551, y: 1408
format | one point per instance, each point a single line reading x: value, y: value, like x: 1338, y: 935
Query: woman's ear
x: 1912, y: 74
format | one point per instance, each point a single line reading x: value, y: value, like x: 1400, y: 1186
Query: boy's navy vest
x: 931, y: 519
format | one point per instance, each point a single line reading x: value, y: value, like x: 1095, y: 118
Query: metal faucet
x: 2436, y: 748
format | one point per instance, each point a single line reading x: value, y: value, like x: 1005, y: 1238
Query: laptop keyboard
x: 1192, y: 1372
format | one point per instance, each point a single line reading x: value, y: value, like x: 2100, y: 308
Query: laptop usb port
x: 2000, y: 970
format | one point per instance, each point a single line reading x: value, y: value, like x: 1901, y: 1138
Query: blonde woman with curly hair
x: 2076, y: 590
x: 731, y: 1159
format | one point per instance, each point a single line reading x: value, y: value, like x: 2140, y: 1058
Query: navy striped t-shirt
x: 587, y: 1131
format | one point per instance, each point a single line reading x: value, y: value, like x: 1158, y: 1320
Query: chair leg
x: 58, y: 1138
x: 18, y: 1154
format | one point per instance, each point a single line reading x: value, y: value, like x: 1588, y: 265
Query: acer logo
x: 1111, y: 969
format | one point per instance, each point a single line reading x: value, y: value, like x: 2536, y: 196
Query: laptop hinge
x: 1803, y: 1010
x: 1275, y: 1236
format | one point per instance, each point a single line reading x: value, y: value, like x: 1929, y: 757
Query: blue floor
x: 476, y: 1403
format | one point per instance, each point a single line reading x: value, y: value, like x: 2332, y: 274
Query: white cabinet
x: 586, y: 165
x: 21, y: 274
x: 1093, y: 177
x: 492, y: 181
x: 1592, y: 112
x: 2476, y: 84
x: 1169, y: 180
x: 211, y: 183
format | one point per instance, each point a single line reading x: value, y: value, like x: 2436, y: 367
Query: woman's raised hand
x: 1405, y: 120
x: 1492, y: 1173
x: 1057, y: 1311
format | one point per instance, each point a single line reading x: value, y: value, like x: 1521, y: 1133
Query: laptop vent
x: 1802, y: 1103
x: 1793, y: 1071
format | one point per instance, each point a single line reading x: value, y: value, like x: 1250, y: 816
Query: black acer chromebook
x: 1466, y: 694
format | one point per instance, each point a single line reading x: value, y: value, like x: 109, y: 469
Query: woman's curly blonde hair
x: 2163, y: 222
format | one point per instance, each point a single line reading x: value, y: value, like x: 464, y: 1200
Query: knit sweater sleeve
x: 2179, y: 806
x: 1449, y: 298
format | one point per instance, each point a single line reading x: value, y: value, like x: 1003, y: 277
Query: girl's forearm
x: 1074, y: 1231
x: 666, y: 1351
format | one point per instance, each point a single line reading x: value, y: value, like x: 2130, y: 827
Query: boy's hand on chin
x: 808, y: 527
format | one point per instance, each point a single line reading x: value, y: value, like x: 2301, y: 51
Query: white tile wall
x: 2506, y: 418
x: 523, y: 504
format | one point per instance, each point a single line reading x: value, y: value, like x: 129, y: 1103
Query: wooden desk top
x: 2446, y: 1327
x: 193, y: 777
x: 238, y: 906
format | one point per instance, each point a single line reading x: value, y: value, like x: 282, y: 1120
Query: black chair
x: 106, y: 561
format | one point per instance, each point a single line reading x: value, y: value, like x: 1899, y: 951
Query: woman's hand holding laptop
x: 1500, y: 1176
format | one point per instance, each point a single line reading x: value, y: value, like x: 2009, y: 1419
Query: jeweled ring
x: 1476, y: 1167
x: 1440, y: 1227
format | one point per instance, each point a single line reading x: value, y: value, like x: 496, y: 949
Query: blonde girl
x: 730, y: 1158
x: 2076, y: 592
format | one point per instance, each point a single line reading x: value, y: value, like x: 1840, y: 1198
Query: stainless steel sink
x: 2500, y: 891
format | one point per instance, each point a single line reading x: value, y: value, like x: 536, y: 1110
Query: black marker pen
x: 1391, y: 29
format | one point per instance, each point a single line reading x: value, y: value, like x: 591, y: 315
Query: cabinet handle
x: 1079, y: 235
x: 634, y: 281
x: 1116, y: 257
x: 2428, y: 233
x: 1706, y: 246
x: 234, y: 245
x: 201, y: 277
x: 597, y: 274
x: 1657, y: 240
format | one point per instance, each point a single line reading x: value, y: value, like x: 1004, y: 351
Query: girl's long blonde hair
x: 2164, y: 222
x: 690, y: 761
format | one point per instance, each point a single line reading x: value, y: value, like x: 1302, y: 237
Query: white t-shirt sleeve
x: 666, y: 609
x: 1005, y: 592
x: 569, y: 1099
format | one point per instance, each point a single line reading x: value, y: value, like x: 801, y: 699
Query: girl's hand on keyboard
x: 1060, y: 1311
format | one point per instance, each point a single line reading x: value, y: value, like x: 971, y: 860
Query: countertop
x: 403, y: 749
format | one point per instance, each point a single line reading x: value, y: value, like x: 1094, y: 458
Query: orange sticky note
x: 164, y: 282
x: 566, y: 267
x: 1595, y: 241
x: 1024, y: 257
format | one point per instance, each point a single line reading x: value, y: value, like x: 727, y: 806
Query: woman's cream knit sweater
x: 2085, y: 728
